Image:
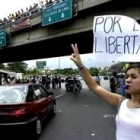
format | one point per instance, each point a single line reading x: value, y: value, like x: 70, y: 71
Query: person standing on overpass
x: 128, y: 116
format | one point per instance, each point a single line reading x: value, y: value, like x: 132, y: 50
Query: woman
x: 128, y: 117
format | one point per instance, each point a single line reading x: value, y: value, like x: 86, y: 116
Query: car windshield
x: 12, y: 94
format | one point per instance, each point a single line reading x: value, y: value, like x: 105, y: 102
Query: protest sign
x: 116, y: 38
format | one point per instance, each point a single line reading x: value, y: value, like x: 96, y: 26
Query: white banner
x: 116, y: 38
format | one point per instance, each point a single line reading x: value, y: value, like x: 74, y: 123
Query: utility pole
x: 59, y: 62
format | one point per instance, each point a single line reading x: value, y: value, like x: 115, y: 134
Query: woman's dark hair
x: 132, y: 66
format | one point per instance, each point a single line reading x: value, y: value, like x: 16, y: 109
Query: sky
x: 11, y: 6
x: 65, y: 62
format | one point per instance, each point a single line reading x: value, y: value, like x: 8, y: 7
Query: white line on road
x: 58, y: 96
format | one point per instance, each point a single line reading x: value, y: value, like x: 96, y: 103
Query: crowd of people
x: 28, y: 11
x: 46, y: 81
x: 7, y: 80
x: 20, y: 14
x: 117, y: 83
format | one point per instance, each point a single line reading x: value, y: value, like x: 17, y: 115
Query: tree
x: 2, y: 66
x: 94, y: 71
x: 118, y: 67
x: 18, y: 67
x: 67, y: 71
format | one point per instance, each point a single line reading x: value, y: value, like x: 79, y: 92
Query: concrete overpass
x: 54, y: 40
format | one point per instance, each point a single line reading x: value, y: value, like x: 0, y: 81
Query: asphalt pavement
x: 81, y: 116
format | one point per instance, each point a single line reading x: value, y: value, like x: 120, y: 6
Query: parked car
x: 70, y: 83
x: 25, y: 106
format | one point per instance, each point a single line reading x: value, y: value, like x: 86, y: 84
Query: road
x: 82, y: 116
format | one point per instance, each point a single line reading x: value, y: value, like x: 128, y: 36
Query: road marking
x: 109, y: 116
x: 92, y: 134
x: 86, y: 106
x: 59, y: 111
x: 58, y: 96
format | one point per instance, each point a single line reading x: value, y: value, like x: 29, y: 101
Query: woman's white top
x: 127, y: 123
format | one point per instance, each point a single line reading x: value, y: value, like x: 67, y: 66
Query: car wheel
x: 37, y: 129
x: 54, y: 110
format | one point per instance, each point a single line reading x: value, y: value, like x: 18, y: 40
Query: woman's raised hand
x: 75, y: 57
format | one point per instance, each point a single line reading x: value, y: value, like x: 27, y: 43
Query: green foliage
x: 2, y: 66
x: 118, y: 67
x: 33, y: 72
x: 67, y: 71
x: 70, y: 71
x: 103, y: 73
x: 18, y: 67
x: 94, y: 71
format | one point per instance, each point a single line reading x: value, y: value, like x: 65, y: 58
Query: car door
x: 40, y: 99
x: 34, y: 105
x: 47, y: 100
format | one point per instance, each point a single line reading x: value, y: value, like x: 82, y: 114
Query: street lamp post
x: 59, y: 62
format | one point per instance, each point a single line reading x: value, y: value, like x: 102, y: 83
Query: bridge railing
x: 8, y: 26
